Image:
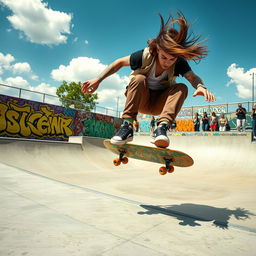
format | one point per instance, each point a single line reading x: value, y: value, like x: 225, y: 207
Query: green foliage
x: 71, y: 95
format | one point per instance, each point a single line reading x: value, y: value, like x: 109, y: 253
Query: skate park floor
x: 67, y: 198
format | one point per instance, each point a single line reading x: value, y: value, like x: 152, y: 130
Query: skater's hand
x: 90, y: 86
x: 208, y: 96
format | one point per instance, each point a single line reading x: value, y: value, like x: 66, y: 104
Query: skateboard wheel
x: 163, y: 170
x: 171, y: 169
x: 116, y: 162
x: 125, y: 160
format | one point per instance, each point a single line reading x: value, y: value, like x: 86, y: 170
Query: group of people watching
x: 215, y: 123
x: 212, y: 123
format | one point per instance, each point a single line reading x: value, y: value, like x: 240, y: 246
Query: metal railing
x: 228, y: 108
x: 51, y: 99
x: 185, y: 113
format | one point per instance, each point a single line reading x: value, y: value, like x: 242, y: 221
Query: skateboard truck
x: 167, y: 162
x: 168, y: 167
x: 121, y: 154
x: 121, y: 158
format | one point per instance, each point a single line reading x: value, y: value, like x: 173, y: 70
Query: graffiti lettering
x: 25, y: 122
x: 98, y: 129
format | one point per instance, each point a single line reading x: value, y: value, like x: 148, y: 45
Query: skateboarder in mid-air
x: 153, y: 89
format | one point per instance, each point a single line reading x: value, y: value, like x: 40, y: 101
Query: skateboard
x: 165, y: 156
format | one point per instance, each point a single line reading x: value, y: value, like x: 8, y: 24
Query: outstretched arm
x: 198, y: 84
x: 90, y: 86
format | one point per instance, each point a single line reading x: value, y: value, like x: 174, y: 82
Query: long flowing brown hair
x: 178, y: 43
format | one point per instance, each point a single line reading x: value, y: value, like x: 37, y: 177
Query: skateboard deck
x: 165, y: 156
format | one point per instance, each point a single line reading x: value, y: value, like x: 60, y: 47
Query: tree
x: 70, y: 94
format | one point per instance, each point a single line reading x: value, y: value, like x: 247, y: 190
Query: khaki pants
x: 166, y: 103
x: 240, y: 123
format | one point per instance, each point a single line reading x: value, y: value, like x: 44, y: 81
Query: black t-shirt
x: 240, y: 114
x: 152, y: 123
x: 181, y: 66
x: 205, y: 120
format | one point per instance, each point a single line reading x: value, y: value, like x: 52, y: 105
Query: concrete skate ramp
x: 222, y: 180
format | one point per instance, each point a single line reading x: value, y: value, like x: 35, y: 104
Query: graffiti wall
x: 95, y: 125
x: 187, y: 125
x: 30, y: 119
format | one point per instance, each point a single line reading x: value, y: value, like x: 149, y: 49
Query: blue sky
x: 46, y: 42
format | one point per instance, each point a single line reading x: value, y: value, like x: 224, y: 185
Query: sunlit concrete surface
x: 67, y: 198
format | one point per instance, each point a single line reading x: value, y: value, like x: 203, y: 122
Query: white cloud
x: 19, y: 67
x: 44, y: 88
x: 111, y: 98
x: 34, y: 77
x: 83, y: 68
x: 243, y: 92
x: 79, y: 69
x: 40, y: 24
x: 86, y: 41
x: 6, y: 60
x: 16, y: 68
x: 241, y: 79
x: 23, y: 68
x: 20, y: 82
x: 17, y: 81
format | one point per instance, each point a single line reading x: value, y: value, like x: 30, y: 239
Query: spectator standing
x: 196, y: 121
x: 253, y: 116
x: 241, y: 117
x: 228, y: 126
x: 152, y: 124
x: 205, y: 122
x: 222, y: 123
x: 214, y: 122
x: 136, y: 125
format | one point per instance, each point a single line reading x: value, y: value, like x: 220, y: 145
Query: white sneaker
x: 159, y: 137
x: 124, y: 135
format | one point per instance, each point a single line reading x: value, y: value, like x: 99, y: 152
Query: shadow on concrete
x: 189, y: 214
